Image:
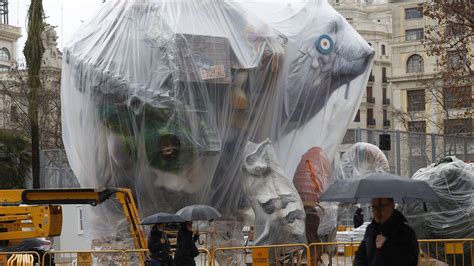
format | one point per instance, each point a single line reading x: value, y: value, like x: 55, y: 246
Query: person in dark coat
x: 358, y: 218
x: 186, y: 249
x: 388, y: 240
x: 159, y: 246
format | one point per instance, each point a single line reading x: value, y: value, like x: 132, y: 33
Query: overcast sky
x: 65, y: 14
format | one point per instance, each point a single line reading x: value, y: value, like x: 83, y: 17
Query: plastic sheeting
x: 362, y: 159
x: 313, y: 175
x: 452, y: 217
x: 162, y: 96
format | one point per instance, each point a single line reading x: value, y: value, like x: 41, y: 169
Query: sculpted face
x: 257, y: 163
x: 329, y: 58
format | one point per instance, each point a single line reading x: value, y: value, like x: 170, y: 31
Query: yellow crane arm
x: 13, y: 216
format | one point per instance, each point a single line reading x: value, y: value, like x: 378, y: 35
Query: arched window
x: 4, y: 54
x: 415, y: 64
x: 383, y: 49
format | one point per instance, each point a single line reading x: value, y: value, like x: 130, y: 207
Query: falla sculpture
x: 163, y: 96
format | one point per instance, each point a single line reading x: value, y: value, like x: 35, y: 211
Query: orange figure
x: 312, y: 175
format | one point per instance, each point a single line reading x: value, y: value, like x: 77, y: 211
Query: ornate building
x: 14, y: 90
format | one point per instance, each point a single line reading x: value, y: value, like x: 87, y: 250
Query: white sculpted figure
x: 274, y: 199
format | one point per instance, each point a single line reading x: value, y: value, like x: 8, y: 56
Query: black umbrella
x: 198, y: 213
x: 162, y: 218
x: 379, y: 185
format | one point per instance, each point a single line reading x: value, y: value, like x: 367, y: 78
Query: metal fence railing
x: 411, y: 151
x: 440, y: 252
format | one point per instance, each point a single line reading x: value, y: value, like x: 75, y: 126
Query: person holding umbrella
x: 159, y: 246
x: 158, y: 242
x: 186, y: 249
x: 388, y: 240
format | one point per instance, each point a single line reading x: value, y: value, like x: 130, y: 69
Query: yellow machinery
x: 30, y: 213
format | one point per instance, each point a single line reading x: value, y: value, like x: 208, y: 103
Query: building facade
x: 373, y: 21
x: 14, y: 90
x: 418, y: 97
x: 405, y: 91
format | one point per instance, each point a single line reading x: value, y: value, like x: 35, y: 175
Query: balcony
x: 370, y: 122
x: 386, y: 101
x: 384, y: 80
x: 370, y: 100
x: 371, y: 78
x: 386, y: 123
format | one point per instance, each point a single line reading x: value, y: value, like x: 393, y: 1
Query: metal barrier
x: 19, y: 258
x: 459, y: 252
x: 291, y: 254
x: 204, y: 258
x: 334, y: 253
x: 83, y: 258
x: 439, y: 252
x: 132, y: 256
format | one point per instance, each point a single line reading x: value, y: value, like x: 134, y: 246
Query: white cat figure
x: 279, y: 212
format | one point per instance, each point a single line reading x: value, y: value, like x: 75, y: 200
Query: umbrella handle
x: 199, y: 238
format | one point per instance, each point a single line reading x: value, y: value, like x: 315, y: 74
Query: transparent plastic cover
x: 453, y: 215
x: 162, y: 96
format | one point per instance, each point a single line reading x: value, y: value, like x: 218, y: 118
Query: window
x: 416, y: 100
x: 384, y: 93
x: 417, y: 138
x: 384, y: 115
x: 357, y: 118
x: 457, y: 98
x: 415, y: 64
x: 4, y: 68
x: 454, y: 30
x: 14, y: 113
x: 458, y: 126
x: 383, y: 49
x: 4, y: 54
x: 417, y: 126
x: 414, y: 34
x: 370, y: 99
x: 370, y: 117
x: 384, y: 75
x: 456, y: 59
x: 371, y: 77
x: 349, y: 137
x: 80, y: 227
x: 413, y: 13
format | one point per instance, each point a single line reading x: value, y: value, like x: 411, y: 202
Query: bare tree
x: 449, y: 38
x: 448, y: 91
x: 15, y: 87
